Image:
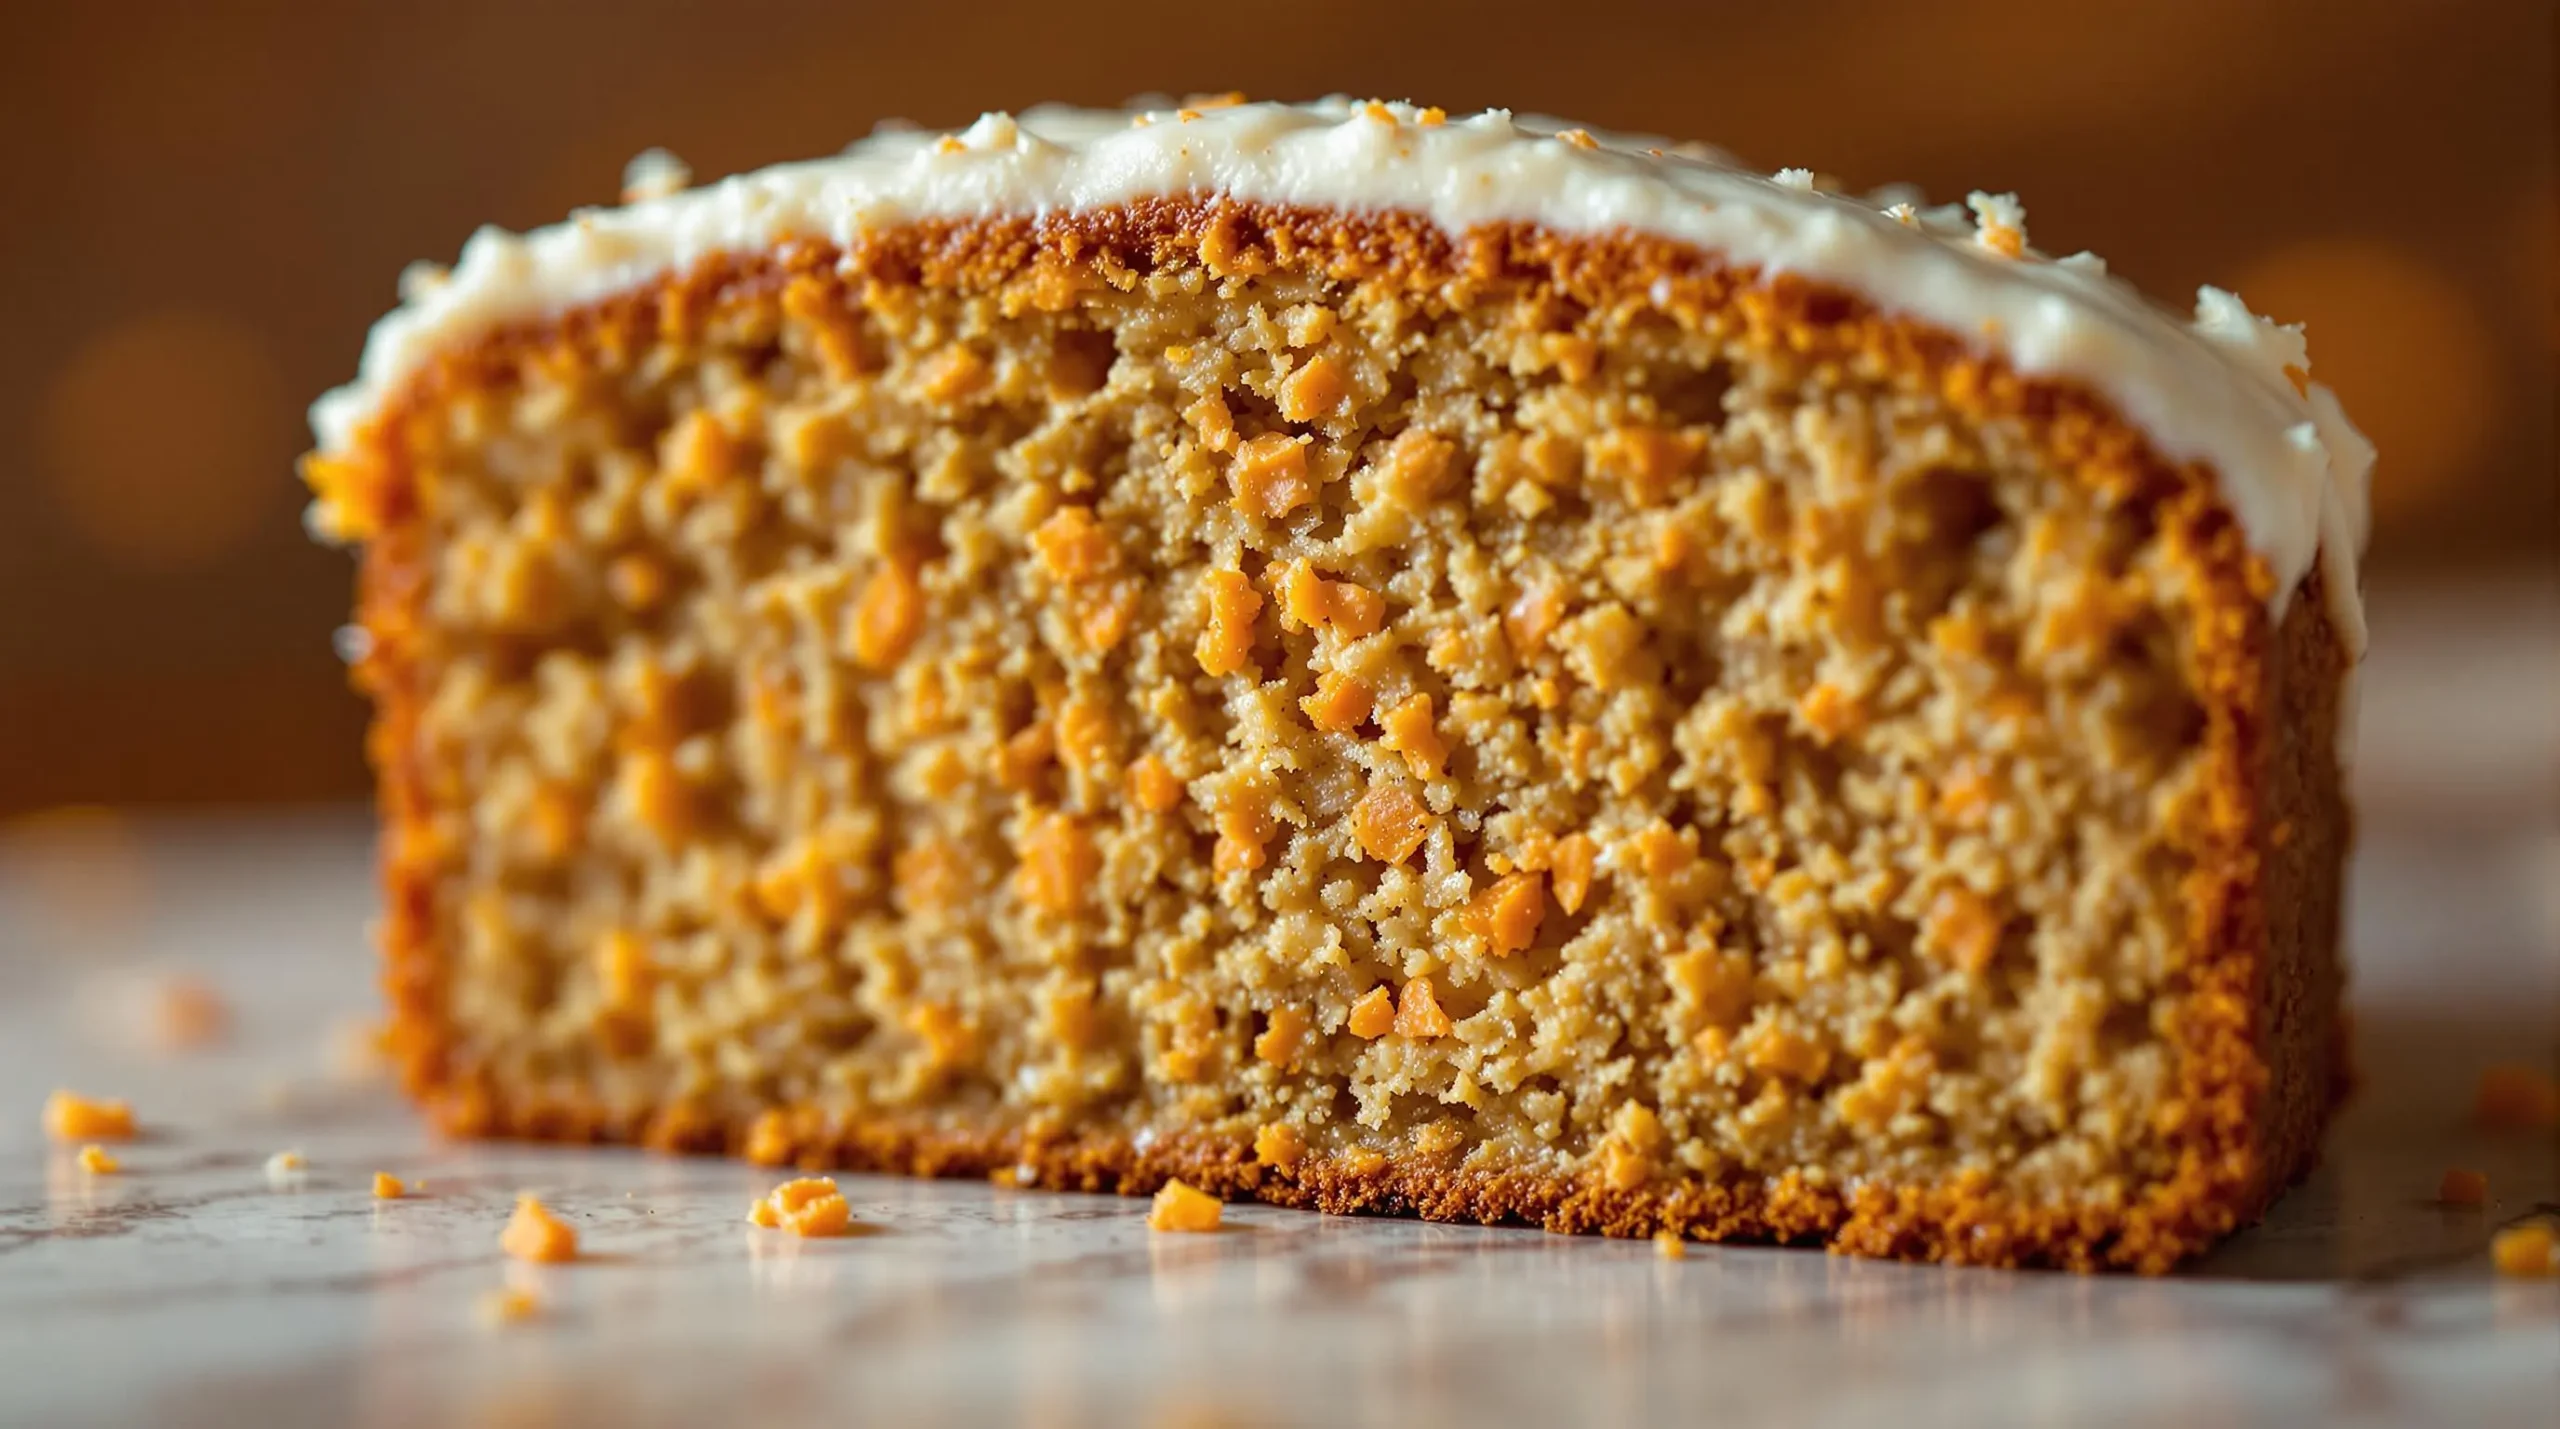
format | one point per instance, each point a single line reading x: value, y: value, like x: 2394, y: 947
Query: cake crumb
x: 808, y: 1206
x: 95, y: 1160
x: 387, y: 1187
x: 1178, y: 1207
x: 509, y: 1306
x: 2515, y: 1097
x: 69, y: 1116
x: 286, y: 1171
x: 2529, y: 1251
x: 536, y: 1235
x: 1670, y: 1246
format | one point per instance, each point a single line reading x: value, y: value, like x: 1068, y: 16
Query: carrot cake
x: 1370, y: 660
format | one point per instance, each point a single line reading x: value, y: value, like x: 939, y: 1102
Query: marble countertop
x: 189, y: 1289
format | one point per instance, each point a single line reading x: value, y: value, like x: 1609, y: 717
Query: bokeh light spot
x: 2410, y: 357
x: 170, y: 439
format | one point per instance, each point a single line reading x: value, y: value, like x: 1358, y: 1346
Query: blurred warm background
x: 209, y: 205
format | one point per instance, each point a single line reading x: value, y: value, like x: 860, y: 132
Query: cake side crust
x: 2240, y: 1133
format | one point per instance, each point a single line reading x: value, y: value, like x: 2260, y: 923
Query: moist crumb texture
x: 1507, y: 727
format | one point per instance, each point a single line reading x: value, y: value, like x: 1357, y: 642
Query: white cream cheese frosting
x: 2220, y: 389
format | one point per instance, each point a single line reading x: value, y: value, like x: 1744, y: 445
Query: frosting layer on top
x: 2228, y: 388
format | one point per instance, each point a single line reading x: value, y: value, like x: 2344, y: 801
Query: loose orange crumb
x: 1390, y: 823
x: 1828, y: 711
x: 1508, y: 913
x: 1021, y: 759
x: 1282, y: 1035
x: 1227, y: 641
x: 69, y: 1116
x: 888, y: 615
x: 1059, y: 862
x: 1315, y: 390
x: 387, y: 1187
x: 510, y: 1306
x: 2516, y: 1097
x: 535, y: 1234
x: 1278, y: 1144
x: 1073, y: 546
x: 1780, y: 1053
x: 1418, y: 1013
x: 1432, y: 118
x: 1570, y: 871
x: 1661, y: 853
x: 1574, y: 355
x: 1153, y: 785
x: 1670, y: 1246
x: 1210, y: 417
x: 658, y: 793
x: 623, y: 973
x: 1269, y: 475
x: 188, y: 1014
x: 1085, y: 734
x: 2528, y: 1251
x: 1245, y: 826
x: 1339, y: 704
x: 1410, y: 732
x: 1344, y: 608
x: 1962, y: 928
x: 808, y: 1206
x: 1579, y: 138
x: 955, y: 374
x: 95, y: 1160
x: 1419, y: 466
x: 1180, y: 1208
x: 2463, y: 1188
x: 1374, y: 1015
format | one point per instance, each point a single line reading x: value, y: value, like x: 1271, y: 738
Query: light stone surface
x: 186, y: 1290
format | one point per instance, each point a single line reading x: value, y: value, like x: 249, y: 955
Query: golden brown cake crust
x: 2255, y: 1046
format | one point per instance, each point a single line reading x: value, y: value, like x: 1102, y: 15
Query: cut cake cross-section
x: 1370, y: 661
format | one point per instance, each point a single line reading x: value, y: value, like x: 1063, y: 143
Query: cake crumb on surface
x: 536, y: 1235
x: 286, y: 1171
x: 387, y: 1187
x: 69, y: 1116
x: 95, y: 1160
x: 2463, y: 1188
x: 1670, y: 1246
x: 2516, y: 1097
x: 2529, y: 1251
x: 1179, y: 1207
x: 808, y: 1206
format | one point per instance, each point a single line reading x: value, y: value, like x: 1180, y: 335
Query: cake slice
x: 1370, y: 661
